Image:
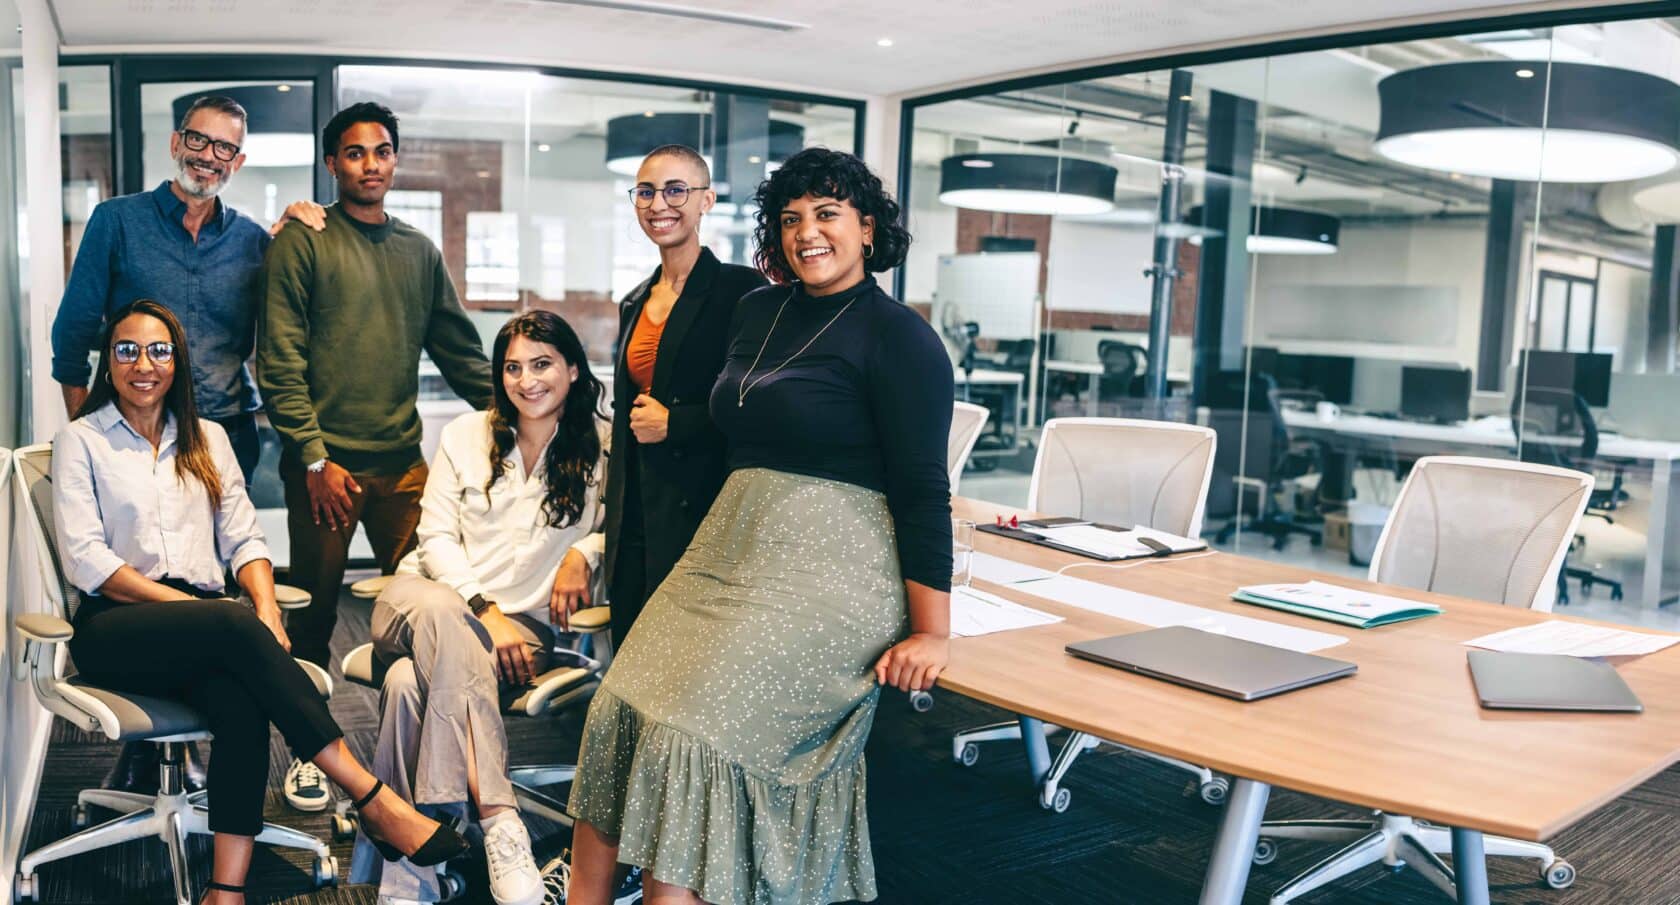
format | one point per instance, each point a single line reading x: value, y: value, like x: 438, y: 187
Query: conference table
x: 1494, y: 437
x: 1406, y: 735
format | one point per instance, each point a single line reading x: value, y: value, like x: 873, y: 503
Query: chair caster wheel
x: 1057, y: 803
x: 326, y: 872
x: 80, y: 817
x: 343, y: 828
x: 921, y: 701
x: 970, y: 755
x: 451, y: 885
x: 1265, y: 851
x: 1615, y: 594
x: 1559, y: 874
x: 1215, y: 790
x: 26, y: 888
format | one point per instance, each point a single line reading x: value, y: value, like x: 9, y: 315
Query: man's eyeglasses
x: 127, y: 352
x: 198, y: 141
x: 675, y: 195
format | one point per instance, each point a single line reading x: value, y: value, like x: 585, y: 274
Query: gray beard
x: 190, y: 183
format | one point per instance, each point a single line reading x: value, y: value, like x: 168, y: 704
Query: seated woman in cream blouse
x: 509, y: 538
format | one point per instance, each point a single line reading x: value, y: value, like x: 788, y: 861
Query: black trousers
x: 628, y: 591
x: 218, y: 657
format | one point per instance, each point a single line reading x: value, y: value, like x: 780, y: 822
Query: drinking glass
x: 962, y: 552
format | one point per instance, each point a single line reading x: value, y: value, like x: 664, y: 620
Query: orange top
x: 643, y: 350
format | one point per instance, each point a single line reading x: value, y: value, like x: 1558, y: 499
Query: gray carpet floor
x: 1136, y: 833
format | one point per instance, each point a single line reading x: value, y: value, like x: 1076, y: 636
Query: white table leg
x: 1091, y: 395
x: 1656, y: 534
x: 1233, y: 844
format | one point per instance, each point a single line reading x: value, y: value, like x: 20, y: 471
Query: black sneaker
x: 630, y: 891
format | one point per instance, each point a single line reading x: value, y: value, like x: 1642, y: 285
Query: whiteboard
x: 999, y: 290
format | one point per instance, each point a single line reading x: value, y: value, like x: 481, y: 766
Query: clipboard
x: 1160, y: 549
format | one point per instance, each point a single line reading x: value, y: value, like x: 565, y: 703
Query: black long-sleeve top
x: 869, y: 403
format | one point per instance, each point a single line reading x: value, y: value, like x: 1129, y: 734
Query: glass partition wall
x: 1341, y: 261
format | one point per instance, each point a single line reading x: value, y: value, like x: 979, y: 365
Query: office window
x: 1343, y: 285
x: 421, y: 210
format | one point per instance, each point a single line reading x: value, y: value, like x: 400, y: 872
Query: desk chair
x: 564, y: 685
x: 171, y: 814
x: 1489, y: 529
x: 967, y: 421
x: 1556, y: 427
x: 1124, y: 365
x: 1122, y: 472
x: 1268, y: 461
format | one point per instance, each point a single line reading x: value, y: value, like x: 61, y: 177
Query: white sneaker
x: 514, y: 879
x: 306, y: 787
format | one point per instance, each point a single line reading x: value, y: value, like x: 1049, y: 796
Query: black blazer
x: 679, y: 478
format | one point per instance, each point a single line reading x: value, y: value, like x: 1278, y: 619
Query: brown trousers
x: 388, y: 508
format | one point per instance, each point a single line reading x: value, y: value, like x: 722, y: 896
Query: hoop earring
x: 868, y: 251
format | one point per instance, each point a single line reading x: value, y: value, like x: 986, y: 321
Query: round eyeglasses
x: 127, y: 352
x: 675, y: 195
x: 198, y: 141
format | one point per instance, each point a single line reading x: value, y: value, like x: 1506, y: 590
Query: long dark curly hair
x: 826, y: 174
x: 569, y: 466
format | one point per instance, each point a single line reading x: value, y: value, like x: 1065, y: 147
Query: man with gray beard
x: 179, y: 245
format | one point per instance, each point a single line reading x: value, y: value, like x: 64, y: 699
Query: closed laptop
x: 1507, y: 681
x: 1232, y: 667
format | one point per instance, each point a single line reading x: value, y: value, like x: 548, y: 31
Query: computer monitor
x: 1441, y: 395
x: 1584, y: 373
x: 1330, y: 375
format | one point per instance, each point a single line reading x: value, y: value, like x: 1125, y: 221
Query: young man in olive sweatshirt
x: 345, y: 315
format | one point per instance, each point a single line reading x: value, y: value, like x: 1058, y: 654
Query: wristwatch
x: 478, y: 604
x: 318, y: 466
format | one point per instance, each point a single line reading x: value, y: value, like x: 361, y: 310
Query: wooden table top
x: 1405, y: 735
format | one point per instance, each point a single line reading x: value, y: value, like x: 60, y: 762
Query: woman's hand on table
x: 914, y: 663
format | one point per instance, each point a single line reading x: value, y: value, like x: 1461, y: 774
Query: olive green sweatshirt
x: 345, y: 313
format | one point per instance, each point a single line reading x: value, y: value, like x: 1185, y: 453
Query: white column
x: 880, y: 138
x: 44, y: 201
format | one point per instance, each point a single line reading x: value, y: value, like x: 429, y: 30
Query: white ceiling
x: 935, y: 42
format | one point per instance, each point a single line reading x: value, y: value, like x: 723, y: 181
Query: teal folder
x: 1333, y: 603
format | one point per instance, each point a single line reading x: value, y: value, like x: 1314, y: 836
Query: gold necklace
x: 741, y: 397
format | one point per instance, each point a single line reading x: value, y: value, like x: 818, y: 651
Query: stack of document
x: 1320, y: 600
x: 1576, y: 639
x: 1108, y: 543
x: 975, y: 612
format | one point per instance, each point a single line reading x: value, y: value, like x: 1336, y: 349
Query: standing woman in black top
x: 668, y: 457
x: 723, y: 752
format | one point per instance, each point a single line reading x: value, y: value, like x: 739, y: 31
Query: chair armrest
x: 546, y: 687
x: 288, y: 597
x: 370, y: 588
x: 43, y: 627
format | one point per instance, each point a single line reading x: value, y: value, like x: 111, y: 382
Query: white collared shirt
x: 115, y: 503
x: 498, y: 544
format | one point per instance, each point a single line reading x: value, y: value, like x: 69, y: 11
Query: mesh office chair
x: 1556, y: 427
x: 1124, y: 365
x: 171, y: 814
x: 1270, y: 459
x: 1121, y: 472
x: 1488, y: 529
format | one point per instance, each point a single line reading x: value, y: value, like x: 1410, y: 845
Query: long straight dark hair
x: 569, y: 467
x: 192, y: 451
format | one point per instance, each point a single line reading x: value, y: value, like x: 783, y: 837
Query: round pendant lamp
x: 1527, y: 121
x: 279, y: 125
x: 1284, y: 231
x: 630, y: 138
x: 1027, y: 184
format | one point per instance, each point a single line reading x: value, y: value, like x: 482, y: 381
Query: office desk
x: 1405, y: 735
x: 1006, y: 385
x: 1497, y: 440
x: 1094, y: 370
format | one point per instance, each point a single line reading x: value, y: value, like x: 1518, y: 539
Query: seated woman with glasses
x: 151, y: 512
x: 509, y: 538
x: 672, y: 338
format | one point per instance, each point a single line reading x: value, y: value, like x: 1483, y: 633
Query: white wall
x: 1439, y: 266
x: 934, y: 228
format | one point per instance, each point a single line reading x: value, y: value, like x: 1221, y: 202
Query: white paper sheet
x: 1332, y: 598
x: 975, y: 612
x: 1114, y: 544
x: 1574, y: 639
x: 1157, y: 612
x: 998, y: 570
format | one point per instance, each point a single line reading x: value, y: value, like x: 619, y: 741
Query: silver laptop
x: 1232, y: 667
x: 1506, y: 681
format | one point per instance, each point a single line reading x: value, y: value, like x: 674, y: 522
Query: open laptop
x: 1232, y: 667
x: 1511, y: 681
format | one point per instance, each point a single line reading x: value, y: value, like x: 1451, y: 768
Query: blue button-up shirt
x: 136, y: 247
x: 116, y: 503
